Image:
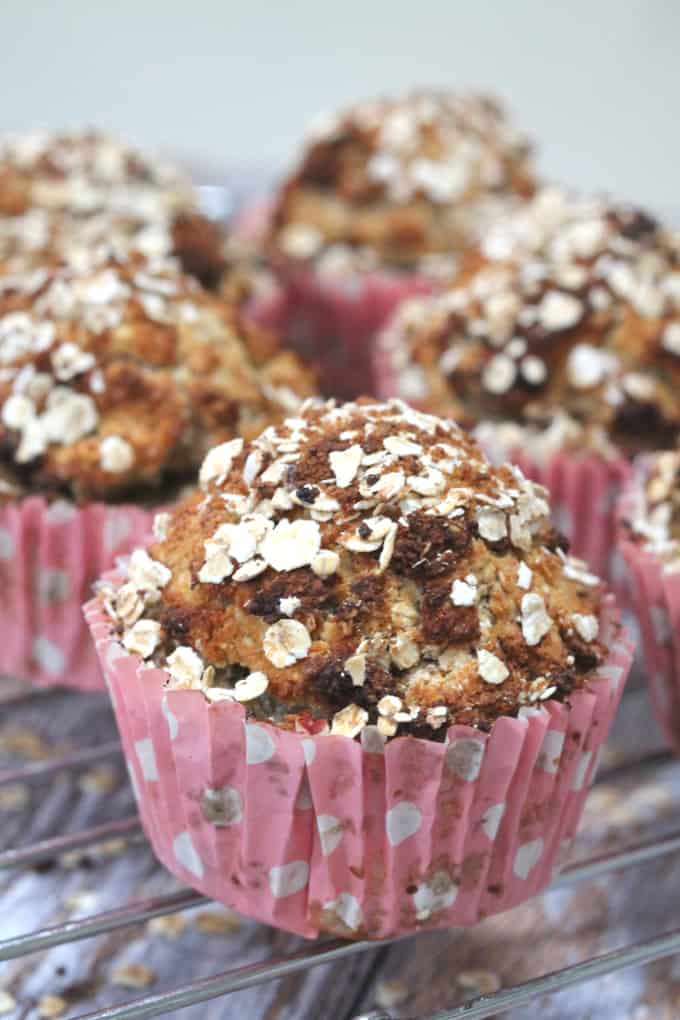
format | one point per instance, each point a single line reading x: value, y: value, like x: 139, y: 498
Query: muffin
x: 67, y: 194
x: 649, y: 517
x: 114, y: 383
x: 562, y: 335
x: 383, y: 197
x: 424, y: 676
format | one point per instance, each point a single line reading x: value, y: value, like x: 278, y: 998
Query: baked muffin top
x: 567, y: 319
x: 657, y: 524
x: 121, y: 376
x: 64, y: 195
x: 400, y: 181
x: 362, y: 565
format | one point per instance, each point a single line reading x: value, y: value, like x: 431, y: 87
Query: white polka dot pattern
x: 330, y: 833
x: 147, y: 759
x: 170, y: 718
x: 347, y: 909
x: 186, y: 855
x: 6, y: 545
x: 581, y: 771
x: 439, y: 893
x: 259, y: 745
x: 222, y: 806
x: 52, y: 585
x: 527, y: 857
x: 491, y: 820
x: 551, y: 749
x: 48, y: 656
x: 309, y: 751
x: 464, y: 757
x: 402, y: 821
x: 117, y: 530
x: 288, y: 879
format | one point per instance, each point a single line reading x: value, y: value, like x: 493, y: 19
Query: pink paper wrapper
x: 655, y: 595
x: 50, y: 555
x: 331, y: 320
x: 324, y: 833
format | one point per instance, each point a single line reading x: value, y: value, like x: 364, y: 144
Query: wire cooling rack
x: 633, y: 853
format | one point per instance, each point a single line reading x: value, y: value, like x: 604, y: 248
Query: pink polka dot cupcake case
x: 360, y: 685
x: 50, y: 555
x: 364, y: 839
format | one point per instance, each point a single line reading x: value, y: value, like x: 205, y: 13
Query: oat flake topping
x: 393, y: 579
x: 71, y: 196
x: 562, y: 329
x: 657, y: 521
x: 125, y: 373
x: 400, y: 181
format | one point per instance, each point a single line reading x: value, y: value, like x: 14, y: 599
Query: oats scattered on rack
x: 7, y: 1002
x: 391, y: 992
x: 14, y: 796
x: 170, y: 926
x: 217, y: 922
x: 133, y: 975
x: 100, y: 780
x: 50, y: 1007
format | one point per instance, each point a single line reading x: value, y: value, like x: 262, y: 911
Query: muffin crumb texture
x: 362, y: 570
x: 657, y: 524
x: 400, y: 182
x: 117, y: 377
x: 561, y: 330
x: 72, y: 195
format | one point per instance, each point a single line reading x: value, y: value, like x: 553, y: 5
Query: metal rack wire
x: 314, y: 954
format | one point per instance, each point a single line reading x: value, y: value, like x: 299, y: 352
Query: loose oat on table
x: 217, y: 922
x: 14, y: 796
x: 171, y: 926
x: 133, y: 975
x: 52, y: 1006
x: 7, y: 1002
x: 446, y: 594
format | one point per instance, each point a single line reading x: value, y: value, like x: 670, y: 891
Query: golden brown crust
x: 67, y: 194
x: 122, y: 375
x: 363, y: 564
x: 657, y: 524
x: 569, y: 313
x: 395, y: 181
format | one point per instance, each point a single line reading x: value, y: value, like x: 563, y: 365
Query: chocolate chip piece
x: 444, y: 623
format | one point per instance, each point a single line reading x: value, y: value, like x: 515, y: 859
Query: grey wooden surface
x: 415, y: 977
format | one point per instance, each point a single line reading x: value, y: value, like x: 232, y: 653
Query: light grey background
x: 597, y: 83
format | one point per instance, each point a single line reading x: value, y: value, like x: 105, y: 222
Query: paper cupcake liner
x: 50, y: 555
x: 655, y: 595
x: 330, y: 319
x: 366, y: 840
